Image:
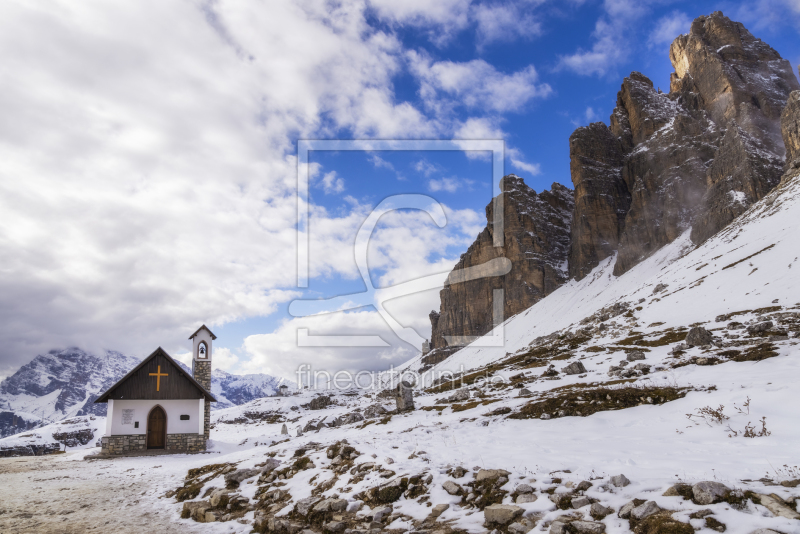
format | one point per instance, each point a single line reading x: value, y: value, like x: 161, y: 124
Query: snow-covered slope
x: 752, y: 264
x: 624, y: 410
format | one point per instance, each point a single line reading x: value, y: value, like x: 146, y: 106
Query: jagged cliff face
x: 536, y: 240
x: 697, y: 157
x: 790, y: 127
x: 694, y: 158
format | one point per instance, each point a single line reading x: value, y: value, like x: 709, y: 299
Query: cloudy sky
x: 148, y: 155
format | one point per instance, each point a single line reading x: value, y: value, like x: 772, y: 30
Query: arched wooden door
x: 156, y: 428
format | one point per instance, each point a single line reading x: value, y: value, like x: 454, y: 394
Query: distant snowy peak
x: 233, y: 390
x: 58, y: 385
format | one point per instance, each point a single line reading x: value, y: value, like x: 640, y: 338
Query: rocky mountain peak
x: 536, y: 240
x: 696, y: 157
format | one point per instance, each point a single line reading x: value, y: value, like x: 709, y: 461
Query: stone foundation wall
x: 123, y: 444
x: 186, y: 442
x: 118, y: 445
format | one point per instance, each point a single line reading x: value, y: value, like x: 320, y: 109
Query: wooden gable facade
x: 158, y: 377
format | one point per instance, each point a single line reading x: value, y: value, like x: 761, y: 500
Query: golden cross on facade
x: 158, y: 376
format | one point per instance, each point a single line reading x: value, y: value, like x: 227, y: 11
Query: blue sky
x: 151, y: 173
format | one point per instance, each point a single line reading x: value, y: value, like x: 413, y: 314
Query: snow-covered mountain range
x: 65, y: 383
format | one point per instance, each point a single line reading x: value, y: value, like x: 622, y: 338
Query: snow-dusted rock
x: 645, y: 510
x: 501, y: 514
x: 698, y: 336
x: 575, y: 368
x: 619, y: 481
x: 709, y: 492
x: 452, y: 488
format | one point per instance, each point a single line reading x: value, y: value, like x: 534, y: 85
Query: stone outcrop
x: 536, y: 232
x: 696, y: 157
x: 790, y: 128
x: 602, y: 198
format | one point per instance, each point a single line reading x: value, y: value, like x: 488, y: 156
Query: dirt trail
x: 59, y: 494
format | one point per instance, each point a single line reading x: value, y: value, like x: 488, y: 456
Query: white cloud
x: 450, y: 184
x: 331, y: 183
x: 425, y: 167
x: 611, y: 36
x: 147, y: 185
x: 669, y: 27
x: 474, y: 84
x: 516, y: 160
x: 504, y: 22
x: 406, y: 246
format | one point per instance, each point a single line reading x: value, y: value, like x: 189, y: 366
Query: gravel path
x: 65, y: 494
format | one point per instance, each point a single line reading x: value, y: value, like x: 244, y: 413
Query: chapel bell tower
x: 201, y: 365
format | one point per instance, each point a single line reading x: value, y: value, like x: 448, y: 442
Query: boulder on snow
x: 484, y: 474
x: 758, y: 328
x: 777, y: 506
x: 698, y: 336
x: 635, y: 355
x: 234, y: 478
x: 452, y: 488
x: 318, y: 403
x: 619, y: 481
x: 526, y: 498
x: 460, y: 395
x: 709, y: 492
x: 645, y: 510
x: 598, y: 511
x: 587, y: 527
x: 376, y: 410
x: 575, y: 368
x: 404, y: 397
x: 501, y: 514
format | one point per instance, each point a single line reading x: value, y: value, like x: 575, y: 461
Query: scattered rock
x: 376, y: 410
x: 709, y: 492
x: 636, y: 355
x: 526, y: 498
x: 439, y: 509
x: 586, y: 527
x: 698, y: 336
x: 460, y: 395
x: 485, y: 474
x: 580, y: 502
x: 645, y: 510
x: 679, y: 490
x: 501, y: 514
x: 452, y: 488
x: 304, y: 506
x: 520, y: 527
x: 619, y: 481
x: 524, y: 488
x: 575, y: 368
x: 318, y: 403
x: 598, y: 511
x: 758, y: 328
x: 713, y: 524
x: 234, y: 478
x: 777, y: 506
x: 404, y: 397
